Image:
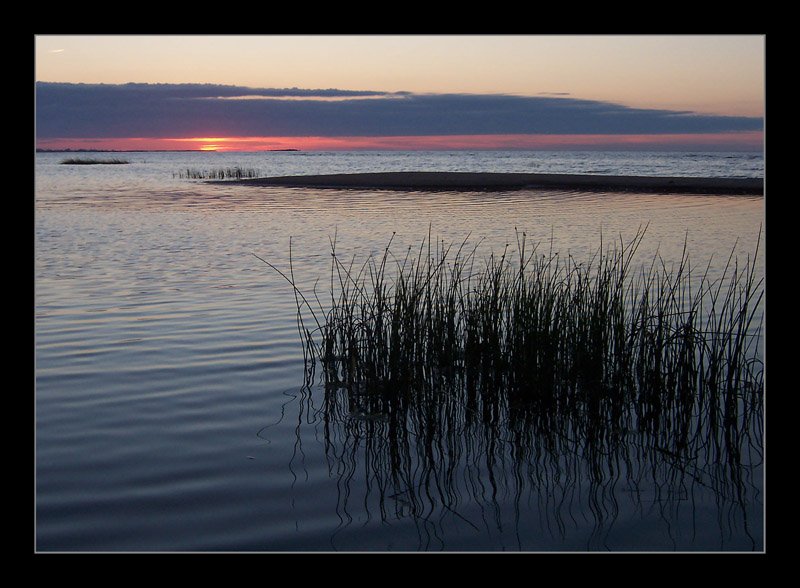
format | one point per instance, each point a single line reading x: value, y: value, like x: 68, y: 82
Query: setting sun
x: 209, y: 143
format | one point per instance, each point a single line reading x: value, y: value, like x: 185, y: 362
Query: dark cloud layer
x: 175, y: 110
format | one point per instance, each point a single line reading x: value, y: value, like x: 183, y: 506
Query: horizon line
x: 737, y: 141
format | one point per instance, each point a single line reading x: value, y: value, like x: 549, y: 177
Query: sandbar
x: 514, y: 181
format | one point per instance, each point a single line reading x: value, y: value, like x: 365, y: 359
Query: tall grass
x: 540, y: 371
x: 541, y: 341
x: 226, y: 173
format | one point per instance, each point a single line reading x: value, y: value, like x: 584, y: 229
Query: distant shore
x: 514, y: 181
x: 43, y: 150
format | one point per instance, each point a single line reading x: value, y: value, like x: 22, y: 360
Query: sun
x: 208, y: 143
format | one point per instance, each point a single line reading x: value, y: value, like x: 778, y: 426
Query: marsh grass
x: 227, y: 173
x: 541, y: 371
x: 84, y: 161
x: 591, y: 351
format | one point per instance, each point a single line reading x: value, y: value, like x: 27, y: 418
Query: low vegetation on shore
x: 227, y: 173
x: 93, y: 161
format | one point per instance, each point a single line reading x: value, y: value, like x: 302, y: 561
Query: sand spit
x: 512, y: 181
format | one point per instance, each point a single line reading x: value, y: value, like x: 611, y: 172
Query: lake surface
x: 172, y: 411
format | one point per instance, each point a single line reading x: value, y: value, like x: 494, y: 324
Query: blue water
x: 171, y: 413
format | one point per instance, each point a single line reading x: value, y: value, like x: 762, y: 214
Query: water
x: 170, y: 408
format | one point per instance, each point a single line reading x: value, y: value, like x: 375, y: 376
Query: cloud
x: 177, y: 110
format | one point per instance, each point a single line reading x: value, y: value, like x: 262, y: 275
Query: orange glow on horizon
x: 212, y: 143
x: 722, y: 141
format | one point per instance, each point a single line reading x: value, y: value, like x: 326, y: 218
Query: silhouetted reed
x: 227, y: 173
x: 547, y: 330
x: 438, y: 358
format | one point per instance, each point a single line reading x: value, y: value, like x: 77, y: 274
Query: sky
x: 333, y: 92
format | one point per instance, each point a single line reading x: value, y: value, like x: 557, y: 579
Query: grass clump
x: 227, y: 173
x: 545, y: 368
x: 535, y: 340
x: 84, y: 161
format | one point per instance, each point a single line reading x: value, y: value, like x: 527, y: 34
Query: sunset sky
x: 331, y: 92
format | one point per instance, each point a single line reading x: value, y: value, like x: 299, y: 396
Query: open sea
x: 171, y: 407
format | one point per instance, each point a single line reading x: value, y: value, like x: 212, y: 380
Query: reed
x: 536, y: 371
x: 84, y: 161
x: 544, y: 337
x: 227, y: 173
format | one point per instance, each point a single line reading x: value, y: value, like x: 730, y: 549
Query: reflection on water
x: 450, y: 461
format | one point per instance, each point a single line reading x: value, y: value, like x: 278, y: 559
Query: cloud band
x: 176, y: 110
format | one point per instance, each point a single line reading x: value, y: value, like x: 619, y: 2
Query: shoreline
x: 513, y: 181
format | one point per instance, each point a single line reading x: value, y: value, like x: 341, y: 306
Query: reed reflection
x: 433, y: 453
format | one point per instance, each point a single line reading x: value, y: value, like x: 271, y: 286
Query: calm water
x: 171, y: 411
